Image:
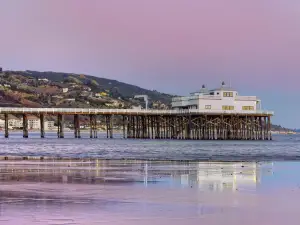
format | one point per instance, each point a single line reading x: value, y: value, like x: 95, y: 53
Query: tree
x: 94, y: 83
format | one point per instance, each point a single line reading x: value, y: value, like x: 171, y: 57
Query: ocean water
x: 283, y: 147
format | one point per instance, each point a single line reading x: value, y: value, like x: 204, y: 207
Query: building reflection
x: 223, y: 176
x: 214, y: 176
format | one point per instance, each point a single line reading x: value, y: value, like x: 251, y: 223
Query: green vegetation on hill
x: 72, y: 79
x: 44, y: 89
x: 119, y: 89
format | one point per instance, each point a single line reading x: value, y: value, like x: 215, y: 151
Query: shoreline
x: 66, y: 130
x: 55, y: 131
x: 41, y: 158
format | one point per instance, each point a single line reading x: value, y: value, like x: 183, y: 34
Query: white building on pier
x: 223, y: 98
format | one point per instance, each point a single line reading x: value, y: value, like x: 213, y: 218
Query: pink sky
x: 168, y: 45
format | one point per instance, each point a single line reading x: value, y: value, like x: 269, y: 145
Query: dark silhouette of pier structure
x: 156, y: 124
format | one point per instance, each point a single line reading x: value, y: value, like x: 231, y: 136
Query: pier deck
x: 159, y: 124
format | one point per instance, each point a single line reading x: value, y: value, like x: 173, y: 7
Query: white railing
x: 186, y: 98
x: 196, y: 97
x: 129, y: 111
x: 246, y: 98
x: 213, y: 97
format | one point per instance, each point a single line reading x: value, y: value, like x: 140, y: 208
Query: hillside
x: 279, y: 128
x: 54, y: 89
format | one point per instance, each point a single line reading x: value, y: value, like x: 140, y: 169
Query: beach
x: 143, y: 192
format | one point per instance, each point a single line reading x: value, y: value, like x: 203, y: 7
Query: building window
x: 227, y: 94
x: 227, y: 107
x: 248, y: 107
x: 208, y: 107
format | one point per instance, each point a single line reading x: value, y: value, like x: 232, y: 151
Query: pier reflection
x: 212, y: 176
x: 224, y: 176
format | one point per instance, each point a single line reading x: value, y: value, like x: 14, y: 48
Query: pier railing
x: 131, y: 111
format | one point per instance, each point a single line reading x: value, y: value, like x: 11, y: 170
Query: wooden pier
x: 157, y: 124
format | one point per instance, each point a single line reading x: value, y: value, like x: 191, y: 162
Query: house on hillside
x: 33, y: 122
x: 86, y: 88
x: 74, y: 85
x: 14, y: 122
x: 43, y: 80
x: 139, y: 107
x: 49, y: 125
x: 65, y: 90
x: 115, y: 103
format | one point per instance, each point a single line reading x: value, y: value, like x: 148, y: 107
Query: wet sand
x: 147, y: 192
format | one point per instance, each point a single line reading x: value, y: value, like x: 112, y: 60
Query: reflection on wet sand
x: 204, y: 175
x: 128, y: 192
x: 227, y: 176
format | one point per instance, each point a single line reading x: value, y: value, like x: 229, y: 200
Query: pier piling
x: 93, y: 126
x: 76, y: 126
x: 6, y: 125
x: 124, y: 119
x: 42, y: 125
x: 156, y: 124
x: 60, y: 126
x: 25, y: 126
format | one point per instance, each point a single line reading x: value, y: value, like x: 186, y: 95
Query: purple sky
x: 169, y: 45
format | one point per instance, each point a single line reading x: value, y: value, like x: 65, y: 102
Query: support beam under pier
x: 60, y: 126
x: 25, y: 126
x: 124, y: 126
x: 6, y: 125
x: 76, y: 126
x: 42, y: 125
x: 269, y: 128
x: 109, y: 126
x: 93, y: 126
x: 186, y: 126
